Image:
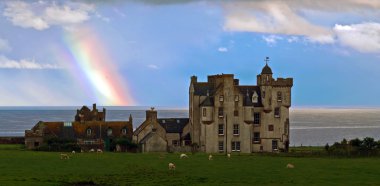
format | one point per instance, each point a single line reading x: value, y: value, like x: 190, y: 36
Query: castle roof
x: 209, y: 101
x: 266, y: 70
x: 173, y: 125
x: 248, y: 92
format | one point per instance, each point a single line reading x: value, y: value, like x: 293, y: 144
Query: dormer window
x: 236, y: 98
x: 221, y: 98
x: 255, y: 97
x: 267, y: 78
x: 204, y: 112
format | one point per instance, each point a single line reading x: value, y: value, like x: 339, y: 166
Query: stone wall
x: 12, y: 140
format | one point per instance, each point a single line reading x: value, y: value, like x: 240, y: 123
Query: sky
x: 142, y: 53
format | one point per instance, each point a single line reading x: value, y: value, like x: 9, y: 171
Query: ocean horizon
x: 309, y: 126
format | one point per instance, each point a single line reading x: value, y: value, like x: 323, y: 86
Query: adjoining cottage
x: 89, y: 130
x: 162, y: 134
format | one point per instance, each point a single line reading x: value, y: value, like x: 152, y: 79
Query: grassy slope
x: 20, y: 167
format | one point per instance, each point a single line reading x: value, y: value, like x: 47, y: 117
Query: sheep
x: 171, y: 166
x: 92, y: 150
x: 290, y: 166
x: 228, y: 155
x: 183, y: 156
x: 210, y: 157
x: 65, y: 156
x: 99, y: 151
x: 73, y: 152
x: 81, y: 150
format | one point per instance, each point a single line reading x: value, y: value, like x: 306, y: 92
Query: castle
x: 225, y: 116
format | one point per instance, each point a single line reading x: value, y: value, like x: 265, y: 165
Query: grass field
x: 20, y: 167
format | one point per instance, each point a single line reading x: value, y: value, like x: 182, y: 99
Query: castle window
x: 236, y: 113
x: 270, y: 128
x: 277, y: 112
x: 124, y: 131
x: 267, y: 78
x: 236, y: 98
x: 256, y: 118
x: 236, y: 129
x: 175, y: 142
x: 263, y: 94
x: 274, y: 145
x: 221, y: 129
x: 256, y: 137
x: 109, y: 131
x: 235, y: 146
x: 89, y: 131
x: 221, y: 98
x: 279, y: 96
x: 220, y: 112
x: 221, y: 146
x: 204, y: 112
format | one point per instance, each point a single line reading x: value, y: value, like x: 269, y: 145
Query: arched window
x: 124, y: 131
x: 109, y: 131
x: 89, y: 132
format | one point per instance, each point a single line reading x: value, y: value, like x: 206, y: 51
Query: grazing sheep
x: 99, y: 151
x: 290, y: 166
x: 171, y: 166
x: 65, y: 157
x: 73, y: 152
x: 228, y: 155
x: 81, y: 150
x: 92, y: 150
x: 183, y: 156
x: 210, y: 157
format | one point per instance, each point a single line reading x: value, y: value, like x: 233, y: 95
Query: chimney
x: 194, y: 79
x: 151, y: 114
x: 94, y: 106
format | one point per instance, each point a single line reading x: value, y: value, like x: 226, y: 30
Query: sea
x: 308, y: 126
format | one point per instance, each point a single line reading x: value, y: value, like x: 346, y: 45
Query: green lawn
x: 20, y: 167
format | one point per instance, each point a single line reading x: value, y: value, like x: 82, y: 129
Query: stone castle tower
x: 228, y: 117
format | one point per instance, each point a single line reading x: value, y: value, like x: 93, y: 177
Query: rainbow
x: 91, y: 64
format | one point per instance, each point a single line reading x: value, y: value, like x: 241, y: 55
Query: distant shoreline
x: 175, y: 108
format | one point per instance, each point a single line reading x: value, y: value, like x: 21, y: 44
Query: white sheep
x: 183, y: 156
x: 99, y: 151
x: 81, y: 150
x: 228, y: 155
x: 65, y: 156
x: 210, y: 157
x: 92, y: 150
x: 171, y: 166
x: 73, y: 152
x: 290, y: 166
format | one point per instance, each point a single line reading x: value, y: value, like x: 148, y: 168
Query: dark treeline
x: 355, y: 147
